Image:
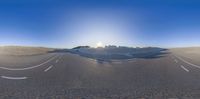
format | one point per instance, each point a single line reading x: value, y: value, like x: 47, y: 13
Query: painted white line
x: 175, y: 60
x: 27, y: 68
x: 187, y: 62
x: 184, y: 68
x: 57, y: 60
x: 14, y: 78
x: 48, y: 68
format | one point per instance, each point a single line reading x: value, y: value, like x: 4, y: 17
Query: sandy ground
x: 20, y: 50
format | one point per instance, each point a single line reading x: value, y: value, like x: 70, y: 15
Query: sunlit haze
x: 99, y: 44
x: 66, y: 24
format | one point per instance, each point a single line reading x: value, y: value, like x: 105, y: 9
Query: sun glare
x: 99, y: 44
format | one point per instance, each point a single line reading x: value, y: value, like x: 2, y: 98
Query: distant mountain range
x: 114, y: 52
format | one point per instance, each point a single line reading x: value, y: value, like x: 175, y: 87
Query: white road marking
x: 184, y: 68
x: 14, y: 78
x: 187, y: 62
x: 57, y: 60
x: 48, y: 68
x: 175, y: 60
x: 27, y: 68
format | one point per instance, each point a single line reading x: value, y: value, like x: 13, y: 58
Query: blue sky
x: 69, y: 23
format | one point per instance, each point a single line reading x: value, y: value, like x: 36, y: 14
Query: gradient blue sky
x: 69, y: 23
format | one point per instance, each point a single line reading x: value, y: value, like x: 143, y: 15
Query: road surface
x: 70, y: 76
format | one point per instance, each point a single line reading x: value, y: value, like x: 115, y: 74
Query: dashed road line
x: 57, y: 60
x: 184, y: 68
x: 175, y: 60
x: 27, y: 68
x: 48, y: 68
x: 14, y: 78
x: 187, y: 62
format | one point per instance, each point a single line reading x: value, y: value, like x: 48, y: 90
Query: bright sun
x: 99, y: 44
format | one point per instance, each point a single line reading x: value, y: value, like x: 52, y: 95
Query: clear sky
x: 69, y: 23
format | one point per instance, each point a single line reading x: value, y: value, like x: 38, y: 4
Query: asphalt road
x: 69, y: 76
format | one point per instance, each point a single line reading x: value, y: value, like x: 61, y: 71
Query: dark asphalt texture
x: 74, y: 77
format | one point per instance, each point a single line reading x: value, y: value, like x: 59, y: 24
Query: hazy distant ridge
x: 114, y: 52
x: 22, y: 50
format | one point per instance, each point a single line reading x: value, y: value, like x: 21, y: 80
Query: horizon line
x: 37, y: 46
